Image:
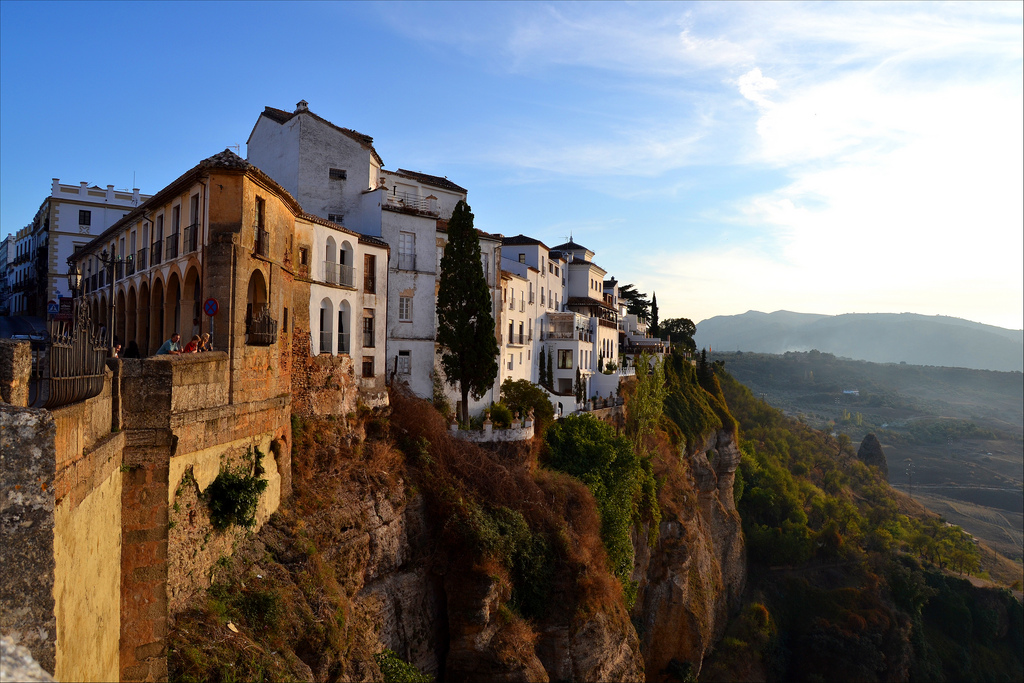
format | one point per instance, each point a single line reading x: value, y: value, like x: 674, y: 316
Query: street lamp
x: 74, y: 278
x: 110, y: 263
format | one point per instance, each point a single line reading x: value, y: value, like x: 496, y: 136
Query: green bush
x: 397, y: 671
x: 622, y: 483
x: 521, y: 395
x: 235, y: 493
x: 501, y: 416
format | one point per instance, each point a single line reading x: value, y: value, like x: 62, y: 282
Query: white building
x: 335, y: 173
x: 6, y: 247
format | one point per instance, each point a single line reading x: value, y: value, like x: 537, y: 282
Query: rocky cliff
x: 467, y: 564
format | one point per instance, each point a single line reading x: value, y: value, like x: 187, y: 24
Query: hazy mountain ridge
x: 877, y: 337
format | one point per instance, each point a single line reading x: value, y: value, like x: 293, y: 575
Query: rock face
x: 692, y: 577
x: 870, y: 453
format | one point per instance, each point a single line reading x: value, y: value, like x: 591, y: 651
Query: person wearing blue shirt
x: 171, y: 346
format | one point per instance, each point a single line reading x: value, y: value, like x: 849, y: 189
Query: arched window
x: 331, y: 262
x: 344, y: 327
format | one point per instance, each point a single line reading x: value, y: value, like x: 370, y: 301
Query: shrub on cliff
x: 235, y: 493
x: 522, y: 396
x: 622, y: 483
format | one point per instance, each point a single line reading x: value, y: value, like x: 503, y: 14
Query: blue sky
x: 825, y: 158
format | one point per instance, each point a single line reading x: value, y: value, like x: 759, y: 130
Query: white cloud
x: 753, y: 85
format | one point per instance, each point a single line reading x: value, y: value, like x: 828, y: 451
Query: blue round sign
x: 210, y: 307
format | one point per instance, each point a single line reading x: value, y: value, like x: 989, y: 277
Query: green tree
x: 581, y: 387
x: 465, y: 327
x: 542, y: 370
x: 636, y: 302
x: 522, y: 396
x: 645, y: 406
x: 551, y: 371
x: 655, y: 330
x: 681, y: 330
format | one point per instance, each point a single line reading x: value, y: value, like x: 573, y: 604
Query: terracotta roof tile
x: 436, y: 181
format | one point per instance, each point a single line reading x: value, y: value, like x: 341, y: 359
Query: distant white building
x: 66, y: 221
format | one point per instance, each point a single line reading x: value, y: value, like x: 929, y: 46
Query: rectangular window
x: 368, y: 341
x: 367, y: 366
x: 405, y: 309
x: 541, y: 296
x: 369, y: 274
x: 511, y: 360
x: 338, y: 174
x: 406, y: 251
x: 522, y: 258
x: 404, y: 362
x: 84, y: 217
x: 565, y: 359
x: 336, y: 218
x: 485, y: 262
x: 193, y: 209
x: 510, y: 324
x: 303, y: 256
x: 284, y: 322
x: 175, y: 219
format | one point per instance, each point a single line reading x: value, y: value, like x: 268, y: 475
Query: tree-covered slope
x: 849, y: 580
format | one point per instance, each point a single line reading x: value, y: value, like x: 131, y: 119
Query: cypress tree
x: 465, y: 326
x: 551, y: 370
x: 655, y: 330
x: 542, y: 371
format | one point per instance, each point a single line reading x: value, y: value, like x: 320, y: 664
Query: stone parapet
x: 15, y: 371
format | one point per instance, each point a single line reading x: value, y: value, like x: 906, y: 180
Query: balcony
x: 408, y: 202
x: 129, y: 266
x: 343, y: 346
x: 606, y: 323
x: 118, y: 271
x: 191, y: 238
x: 157, y: 252
x: 261, y: 330
x: 140, y: 259
x: 172, y: 245
x: 407, y: 261
x: 325, y: 341
x: 339, y: 274
x: 262, y: 246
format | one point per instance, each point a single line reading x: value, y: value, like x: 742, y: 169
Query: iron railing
x: 262, y: 329
x: 157, y: 251
x: 339, y: 274
x: 407, y: 261
x: 69, y: 365
x: 140, y: 259
x: 191, y: 238
x: 410, y: 202
x: 262, y: 246
x: 343, y: 343
x: 172, y: 246
x: 325, y: 341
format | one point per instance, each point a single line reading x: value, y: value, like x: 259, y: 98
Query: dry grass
x: 458, y: 476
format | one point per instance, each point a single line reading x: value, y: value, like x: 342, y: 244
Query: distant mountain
x: 877, y: 337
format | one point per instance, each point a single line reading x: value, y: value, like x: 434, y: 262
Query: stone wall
x: 27, y: 472
x: 61, y: 519
x: 15, y: 370
x: 182, y: 431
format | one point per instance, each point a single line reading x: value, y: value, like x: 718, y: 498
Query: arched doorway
x: 131, y: 315
x: 120, y: 322
x: 193, y: 294
x: 344, y: 328
x: 143, y: 321
x: 326, y: 326
x: 172, y: 306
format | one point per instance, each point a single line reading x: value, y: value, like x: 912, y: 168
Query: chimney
x: 302, y: 106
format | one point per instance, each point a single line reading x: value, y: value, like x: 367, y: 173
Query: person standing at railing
x: 193, y: 346
x: 171, y: 346
x: 206, y: 344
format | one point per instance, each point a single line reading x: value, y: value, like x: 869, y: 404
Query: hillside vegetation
x: 850, y: 580
x: 958, y: 432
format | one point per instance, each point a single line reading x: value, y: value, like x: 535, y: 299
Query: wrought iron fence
x: 262, y: 329
x: 191, y: 238
x: 325, y: 341
x: 68, y: 366
x: 172, y: 246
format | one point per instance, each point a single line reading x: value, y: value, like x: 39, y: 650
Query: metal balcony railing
x: 191, y: 238
x: 407, y: 261
x: 262, y: 246
x: 325, y: 341
x: 172, y: 245
x: 339, y: 274
x: 129, y: 266
x: 408, y: 201
x: 262, y: 329
x: 343, y: 346
x: 140, y: 259
x: 157, y: 252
